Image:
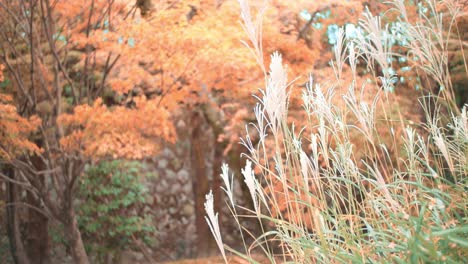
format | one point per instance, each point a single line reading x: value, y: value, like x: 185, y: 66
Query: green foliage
x: 4, y: 83
x: 112, y: 213
x: 5, y: 247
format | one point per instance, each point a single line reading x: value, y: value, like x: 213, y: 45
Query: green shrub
x: 111, y: 213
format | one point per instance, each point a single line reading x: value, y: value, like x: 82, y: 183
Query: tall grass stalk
x: 355, y: 184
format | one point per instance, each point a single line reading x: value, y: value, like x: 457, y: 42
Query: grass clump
x: 358, y: 182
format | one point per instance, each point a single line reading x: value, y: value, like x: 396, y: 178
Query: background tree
x: 61, y: 101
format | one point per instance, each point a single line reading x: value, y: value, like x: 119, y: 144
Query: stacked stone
x: 171, y: 199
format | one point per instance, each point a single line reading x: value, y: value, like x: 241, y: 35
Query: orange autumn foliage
x: 171, y: 57
x: 118, y: 132
x: 131, y: 127
x: 15, y: 130
x: 192, y: 61
x: 182, y: 54
x: 117, y: 129
x: 180, y: 50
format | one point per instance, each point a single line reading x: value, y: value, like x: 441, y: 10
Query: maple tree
x: 15, y: 131
x: 54, y: 120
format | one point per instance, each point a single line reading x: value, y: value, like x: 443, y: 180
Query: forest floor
x: 218, y: 260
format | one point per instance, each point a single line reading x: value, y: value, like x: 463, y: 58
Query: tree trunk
x: 200, y: 185
x: 74, y: 238
x: 16, y: 245
x: 145, y: 6
x: 217, y: 182
x: 215, y: 119
x: 37, y: 237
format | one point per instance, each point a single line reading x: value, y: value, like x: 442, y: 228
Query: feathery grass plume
x: 275, y: 97
x: 375, y: 46
x: 250, y: 181
x: 339, y: 54
x: 306, y: 169
x: 460, y: 125
x: 228, y: 182
x: 229, y: 190
x: 353, y: 56
x: 253, y: 30
x: 261, y: 124
x: 364, y: 113
x: 411, y: 148
x: 212, y: 220
x: 441, y: 144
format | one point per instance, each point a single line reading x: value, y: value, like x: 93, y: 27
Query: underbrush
x: 358, y: 181
x: 113, y: 213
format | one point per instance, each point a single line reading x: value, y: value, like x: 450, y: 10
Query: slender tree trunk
x: 37, y: 237
x: 16, y: 245
x: 215, y: 119
x: 200, y: 184
x: 74, y: 238
x: 216, y: 186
